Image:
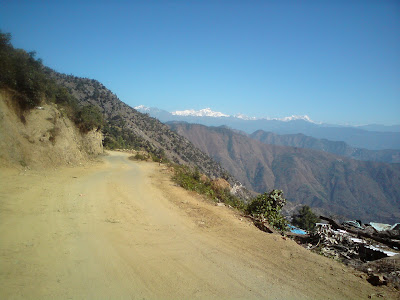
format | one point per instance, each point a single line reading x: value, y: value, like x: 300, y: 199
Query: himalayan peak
x: 208, y: 112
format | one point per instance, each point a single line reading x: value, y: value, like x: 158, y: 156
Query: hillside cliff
x: 42, y: 137
x: 355, y: 189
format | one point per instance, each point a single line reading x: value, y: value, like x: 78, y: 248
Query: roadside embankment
x: 42, y: 137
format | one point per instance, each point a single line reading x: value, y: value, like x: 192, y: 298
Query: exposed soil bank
x: 42, y: 137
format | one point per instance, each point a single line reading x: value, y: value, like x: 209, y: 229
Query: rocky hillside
x: 340, y: 148
x: 369, y: 191
x: 126, y: 127
x: 42, y: 137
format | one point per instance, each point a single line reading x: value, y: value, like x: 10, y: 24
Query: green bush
x: 110, y: 143
x: 268, y: 206
x: 190, y: 180
x: 88, y: 118
x: 139, y: 156
x: 156, y: 158
x: 305, y: 218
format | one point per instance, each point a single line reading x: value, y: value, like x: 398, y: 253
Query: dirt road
x: 123, y: 230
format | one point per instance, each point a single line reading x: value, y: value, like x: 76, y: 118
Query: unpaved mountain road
x: 123, y: 230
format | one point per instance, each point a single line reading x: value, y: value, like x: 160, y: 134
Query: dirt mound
x: 42, y: 137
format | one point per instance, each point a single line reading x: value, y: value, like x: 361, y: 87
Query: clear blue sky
x: 336, y: 61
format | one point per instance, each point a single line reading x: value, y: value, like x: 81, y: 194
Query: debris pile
x: 332, y: 243
x: 372, y: 248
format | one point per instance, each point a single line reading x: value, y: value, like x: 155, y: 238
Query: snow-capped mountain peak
x: 206, y: 112
x: 294, y: 118
x: 142, y: 108
x: 244, y: 117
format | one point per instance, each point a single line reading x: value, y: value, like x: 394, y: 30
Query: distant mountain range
x: 371, y: 137
x: 340, y: 148
x: 332, y: 184
x: 208, y: 112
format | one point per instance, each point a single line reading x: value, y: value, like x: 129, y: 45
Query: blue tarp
x: 296, y: 230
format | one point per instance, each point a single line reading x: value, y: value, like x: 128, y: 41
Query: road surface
x: 119, y: 229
